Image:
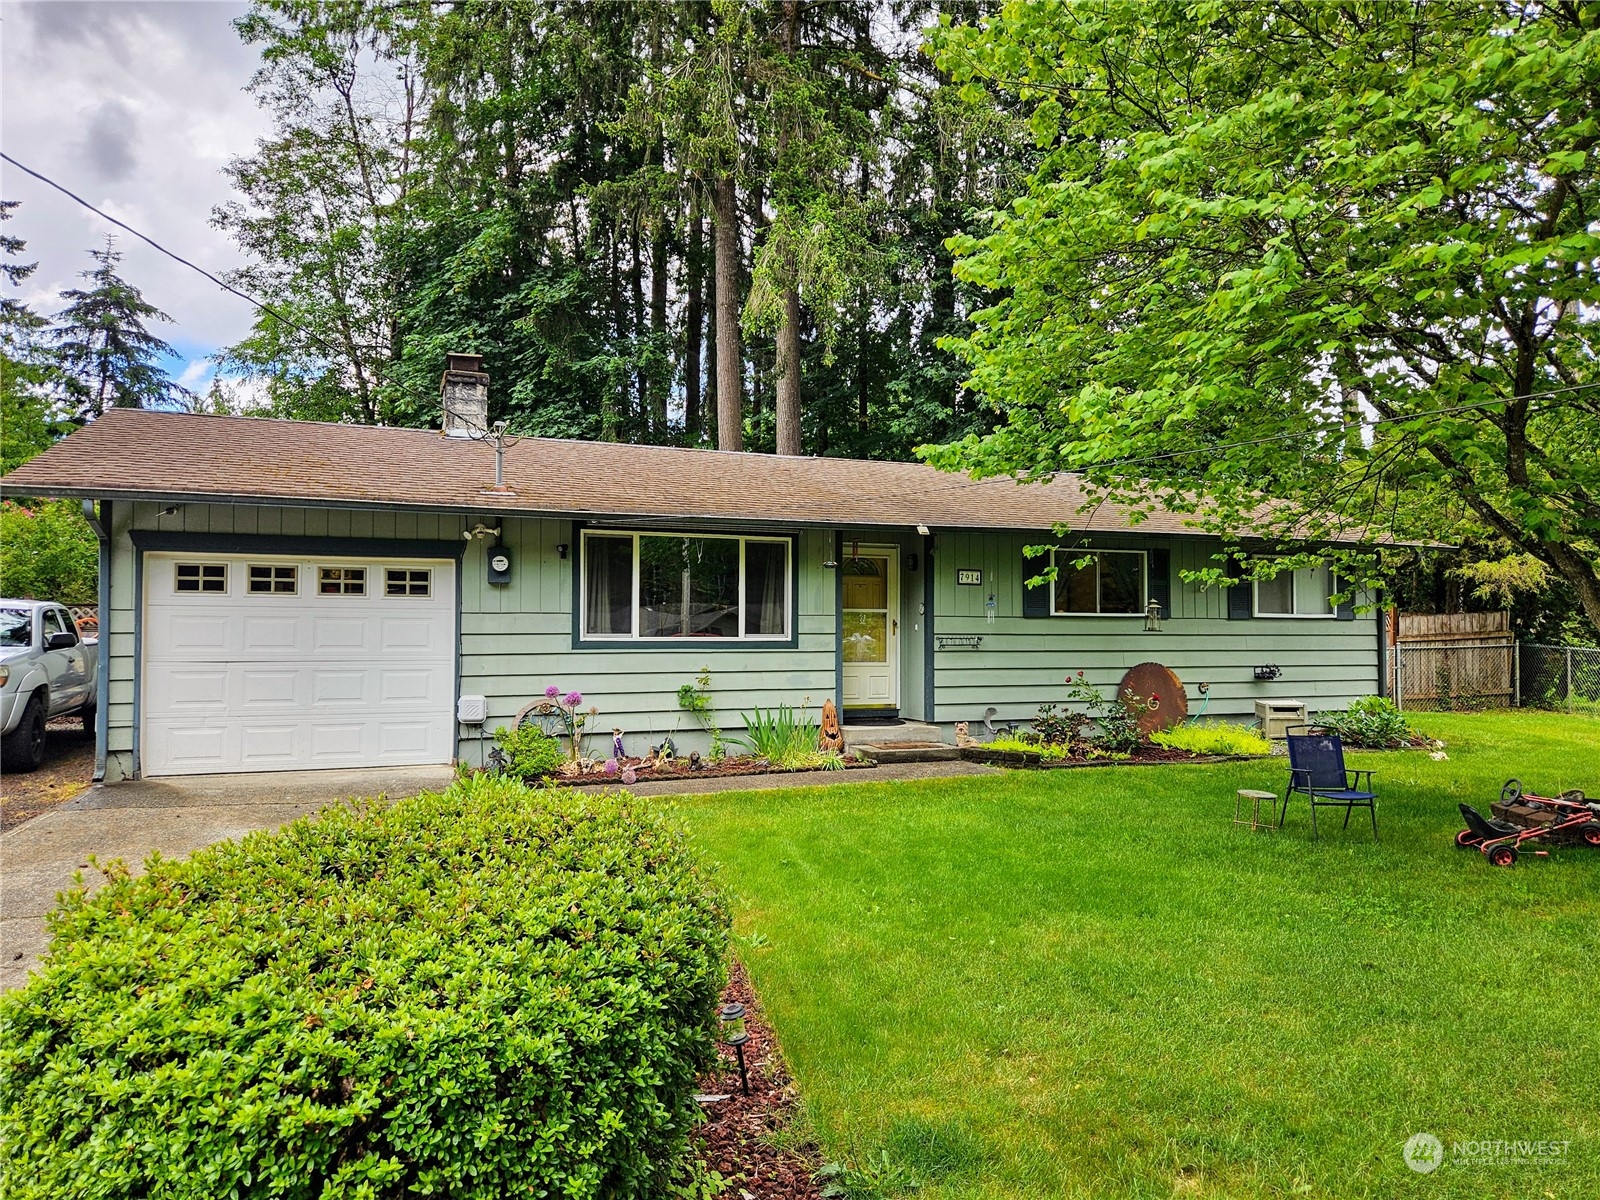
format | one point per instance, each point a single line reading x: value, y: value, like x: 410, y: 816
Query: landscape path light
x: 734, y: 1034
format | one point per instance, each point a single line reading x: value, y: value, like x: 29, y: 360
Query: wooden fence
x: 1446, y: 661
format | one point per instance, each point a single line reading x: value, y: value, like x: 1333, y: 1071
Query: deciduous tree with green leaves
x: 1338, y: 257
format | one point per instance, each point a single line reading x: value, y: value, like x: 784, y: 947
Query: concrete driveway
x: 39, y: 858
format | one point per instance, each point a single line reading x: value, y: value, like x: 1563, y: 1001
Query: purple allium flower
x: 629, y: 775
x: 611, y: 766
x: 552, y: 691
x: 572, y: 699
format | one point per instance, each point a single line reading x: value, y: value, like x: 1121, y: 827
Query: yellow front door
x: 871, y: 624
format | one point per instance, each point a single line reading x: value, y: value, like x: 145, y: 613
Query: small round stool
x: 1254, y: 820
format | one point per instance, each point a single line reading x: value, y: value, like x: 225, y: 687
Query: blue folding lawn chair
x: 1317, y: 771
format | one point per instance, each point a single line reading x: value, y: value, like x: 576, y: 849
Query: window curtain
x: 608, y: 586
x: 766, y: 597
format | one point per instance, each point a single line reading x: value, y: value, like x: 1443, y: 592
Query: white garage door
x: 263, y: 663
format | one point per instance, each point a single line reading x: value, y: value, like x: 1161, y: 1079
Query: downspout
x: 1383, y: 647
x: 102, y: 678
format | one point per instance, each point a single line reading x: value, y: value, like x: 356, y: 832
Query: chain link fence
x: 1562, y: 677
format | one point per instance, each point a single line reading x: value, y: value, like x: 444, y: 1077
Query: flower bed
x: 644, y: 770
x: 1141, y: 756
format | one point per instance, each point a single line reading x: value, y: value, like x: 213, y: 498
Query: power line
x: 225, y: 286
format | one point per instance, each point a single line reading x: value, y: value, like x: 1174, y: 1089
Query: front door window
x: 866, y: 610
x: 870, y: 629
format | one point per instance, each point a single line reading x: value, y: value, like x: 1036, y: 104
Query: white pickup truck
x: 46, y: 671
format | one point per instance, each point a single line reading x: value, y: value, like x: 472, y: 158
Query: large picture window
x: 667, y: 586
x: 1307, y: 592
x: 1108, y: 583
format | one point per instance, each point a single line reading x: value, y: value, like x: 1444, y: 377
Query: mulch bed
x: 679, y: 768
x: 1144, y: 756
x: 737, y: 1138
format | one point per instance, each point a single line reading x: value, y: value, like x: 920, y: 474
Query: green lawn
x: 1088, y: 983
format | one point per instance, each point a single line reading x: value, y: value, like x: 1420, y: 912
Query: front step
x: 888, y: 735
x: 906, y: 752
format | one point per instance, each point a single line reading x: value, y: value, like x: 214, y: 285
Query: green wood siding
x: 1024, y: 662
x: 517, y: 639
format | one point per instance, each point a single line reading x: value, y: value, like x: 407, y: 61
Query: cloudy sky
x: 136, y: 107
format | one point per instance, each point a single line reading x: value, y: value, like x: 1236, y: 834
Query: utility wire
x: 1344, y: 427
x: 227, y: 287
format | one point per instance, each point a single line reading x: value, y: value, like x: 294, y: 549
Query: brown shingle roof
x: 130, y: 453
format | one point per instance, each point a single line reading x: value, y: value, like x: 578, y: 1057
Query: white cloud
x: 196, y: 375
x: 136, y: 107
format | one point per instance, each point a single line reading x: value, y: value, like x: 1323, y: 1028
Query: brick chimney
x: 464, y: 396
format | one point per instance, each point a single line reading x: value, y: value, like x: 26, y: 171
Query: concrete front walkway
x: 40, y: 857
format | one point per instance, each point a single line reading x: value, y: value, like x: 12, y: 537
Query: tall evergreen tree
x: 29, y: 417
x: 671, y: 223
x: 106, y: 355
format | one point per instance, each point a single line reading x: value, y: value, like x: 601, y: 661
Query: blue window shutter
x: 1345, y: 611
x: 1035, y: 600
x: 1241, y: 602
x: 1160, y: 581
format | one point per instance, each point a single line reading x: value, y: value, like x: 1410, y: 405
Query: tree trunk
x: 641, y: 371
x: 788, y: 364
x: 659, y: 360
x: 693, y: 320
x: 730, y: 424
x: 787, y: 351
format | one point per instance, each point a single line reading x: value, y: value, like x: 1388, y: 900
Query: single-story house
x: 292, y: 595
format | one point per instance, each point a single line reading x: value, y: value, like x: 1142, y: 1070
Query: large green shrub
x: 1372, y: 722
x: 531, y: 752
x: 486, y: 993
x: 48, y: 552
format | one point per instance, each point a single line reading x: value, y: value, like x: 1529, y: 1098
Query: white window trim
x: 1330, y: 615
x: 1073, y: 555
x: 366, y: 579
x: 272, y: 580
x: 743, y: 540
x: 408, y: 594
x: 200, y: 579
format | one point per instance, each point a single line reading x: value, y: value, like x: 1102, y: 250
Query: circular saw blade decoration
x: 1171, y: 703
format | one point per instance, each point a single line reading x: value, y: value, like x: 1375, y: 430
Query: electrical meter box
x: 499, y: 560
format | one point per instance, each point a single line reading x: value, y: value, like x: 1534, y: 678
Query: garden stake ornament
x: 831, y: 739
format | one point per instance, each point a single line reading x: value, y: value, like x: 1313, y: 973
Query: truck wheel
x: 87, y: 712
x: 23, y: 748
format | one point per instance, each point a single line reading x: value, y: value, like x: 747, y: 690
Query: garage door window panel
x: 404, y: 581
x: 342, y: 581
x: 201, y: 577
x: 274, y: 580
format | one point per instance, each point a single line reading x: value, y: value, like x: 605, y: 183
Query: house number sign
x: 969, y: 576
